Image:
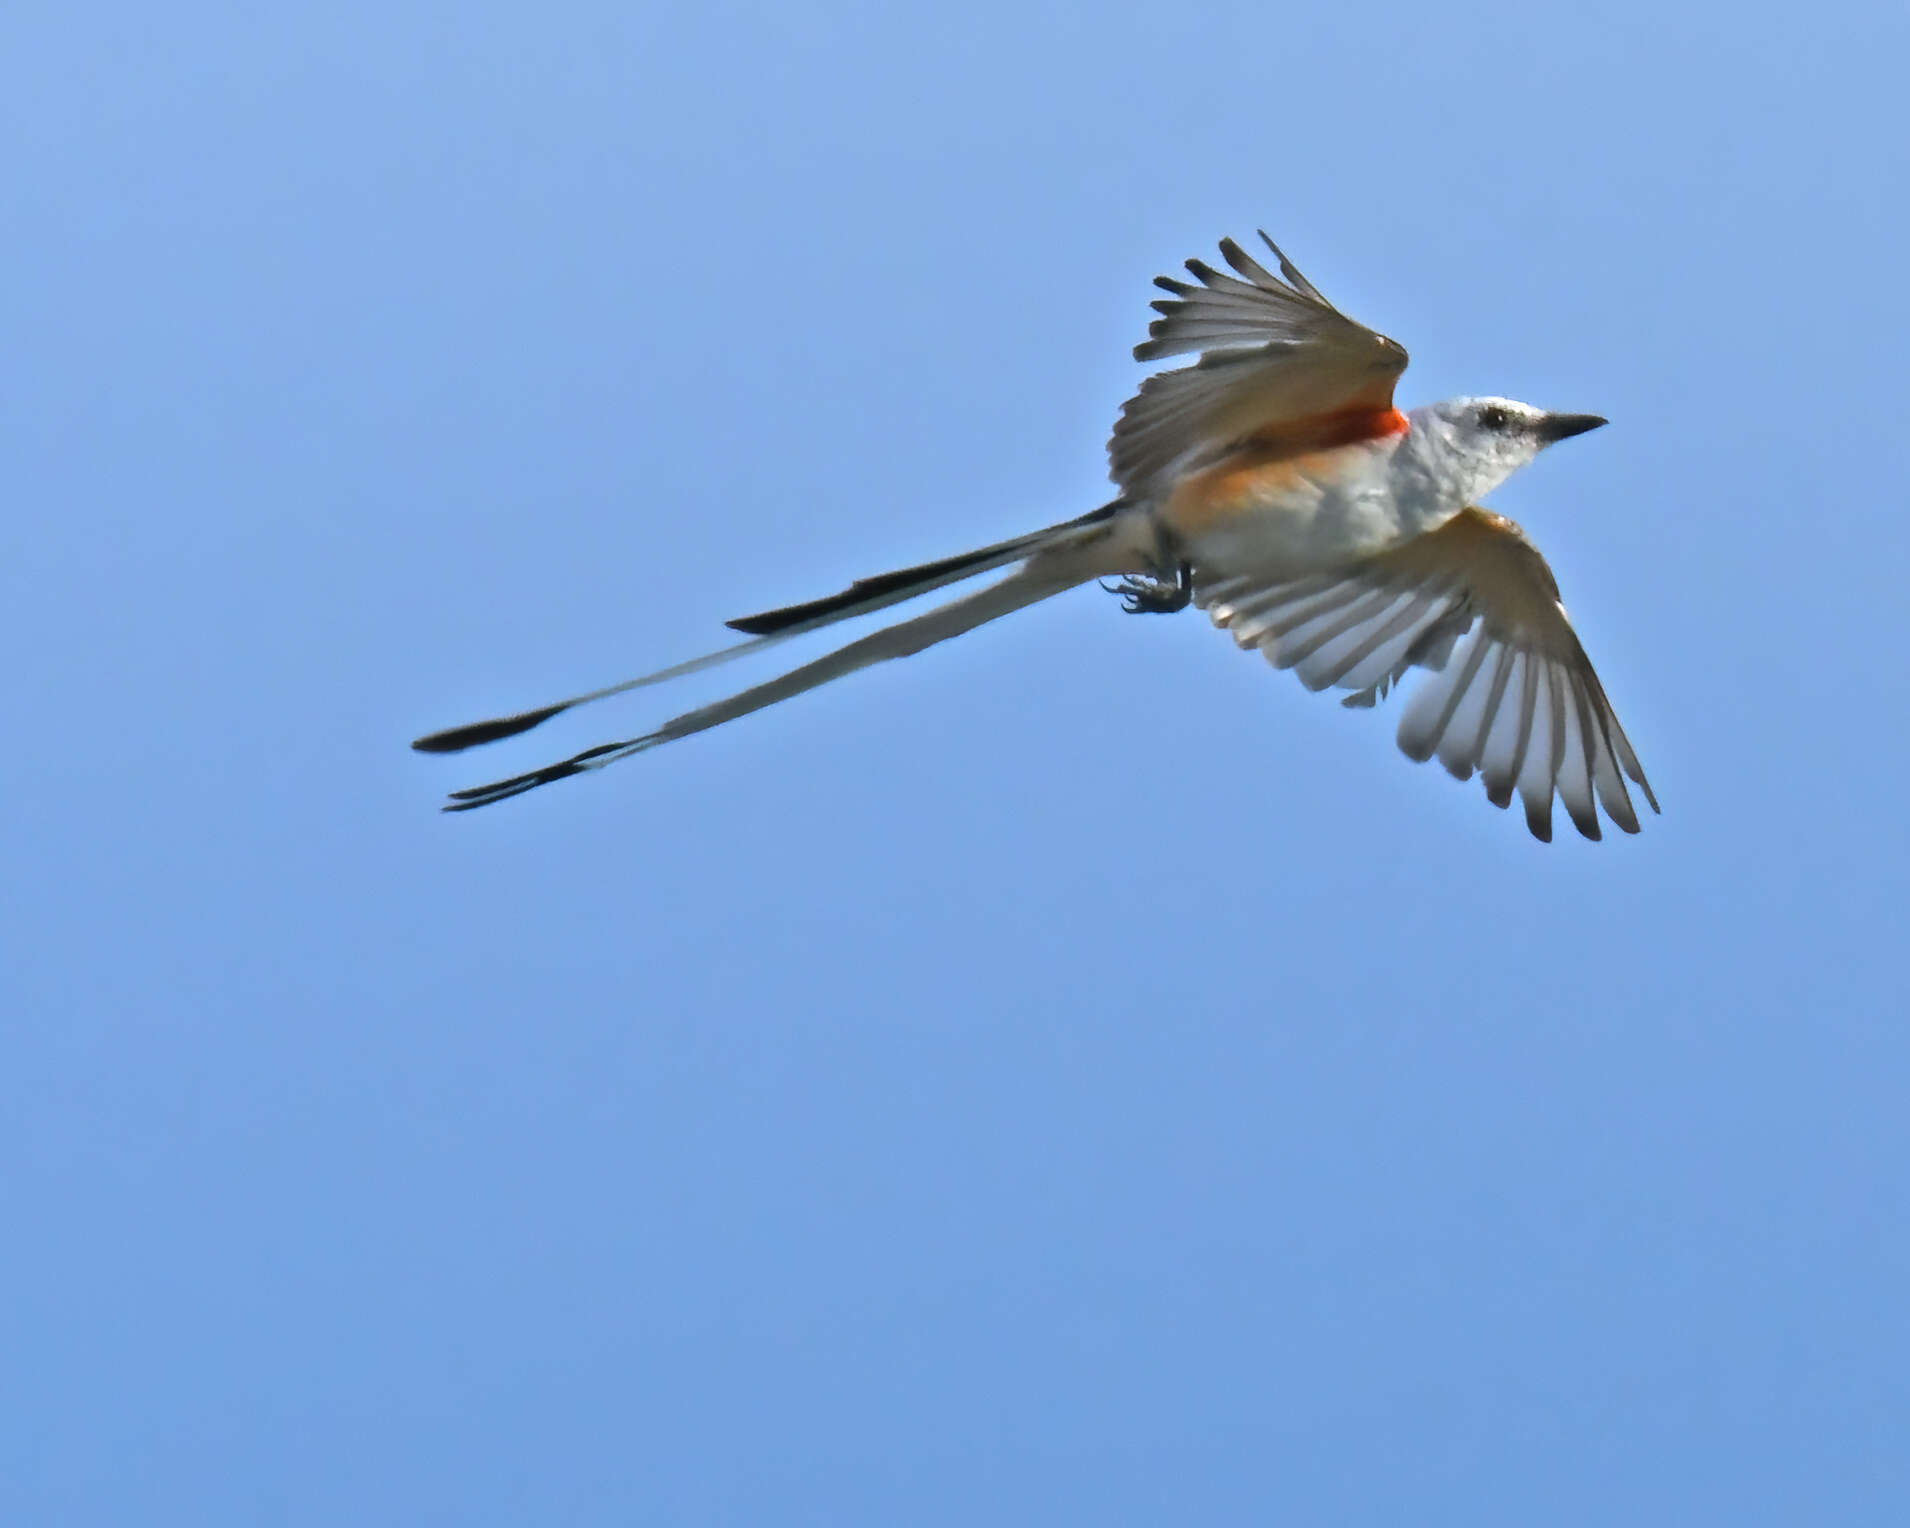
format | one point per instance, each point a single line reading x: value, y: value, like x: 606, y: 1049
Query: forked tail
x: 1056, y: 559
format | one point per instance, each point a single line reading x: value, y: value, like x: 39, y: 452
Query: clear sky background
x: 1074, y: 1075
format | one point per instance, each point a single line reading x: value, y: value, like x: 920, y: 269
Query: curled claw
x: 1142, y: 595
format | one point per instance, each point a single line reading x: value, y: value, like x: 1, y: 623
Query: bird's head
x: 1483, y: 441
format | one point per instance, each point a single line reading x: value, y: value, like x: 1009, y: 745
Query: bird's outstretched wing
x: 1272, y: 351
x: 1512, y: 694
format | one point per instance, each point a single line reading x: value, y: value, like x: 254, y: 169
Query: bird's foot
x: 1143, y: 595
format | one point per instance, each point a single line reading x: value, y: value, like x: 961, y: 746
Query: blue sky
x: 1074, y: 1075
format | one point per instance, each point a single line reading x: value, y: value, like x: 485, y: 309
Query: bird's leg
x: 1156, y: 593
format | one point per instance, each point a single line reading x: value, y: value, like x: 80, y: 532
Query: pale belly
x: 1286, y: 519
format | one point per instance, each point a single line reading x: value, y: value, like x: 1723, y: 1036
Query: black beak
x: 1557, y: 427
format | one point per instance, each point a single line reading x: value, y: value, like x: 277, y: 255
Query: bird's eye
x: 1492, y: 417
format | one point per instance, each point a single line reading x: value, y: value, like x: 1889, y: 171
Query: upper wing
x: 1271, y: 350
x: 1513, y: 696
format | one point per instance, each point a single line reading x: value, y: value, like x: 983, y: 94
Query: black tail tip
x: 502, y: 790
x: 457, y: 739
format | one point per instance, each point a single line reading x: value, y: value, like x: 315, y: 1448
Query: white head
x: 1474, y: 444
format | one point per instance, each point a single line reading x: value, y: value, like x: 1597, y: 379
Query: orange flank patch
x: 1260, y: 464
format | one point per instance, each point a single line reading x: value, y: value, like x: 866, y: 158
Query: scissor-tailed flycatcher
x: 1272, y: 484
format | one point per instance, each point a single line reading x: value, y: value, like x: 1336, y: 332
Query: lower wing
x: 1511, y: 695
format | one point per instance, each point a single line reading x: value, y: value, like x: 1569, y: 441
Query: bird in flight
x: 1272, y: 484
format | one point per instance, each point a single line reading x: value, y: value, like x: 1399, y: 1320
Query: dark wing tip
x: 1292, y: 272
x: 457, y: 739
x: 1246, y: 265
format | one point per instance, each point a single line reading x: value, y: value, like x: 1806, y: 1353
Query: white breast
x: 1317, y: 512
